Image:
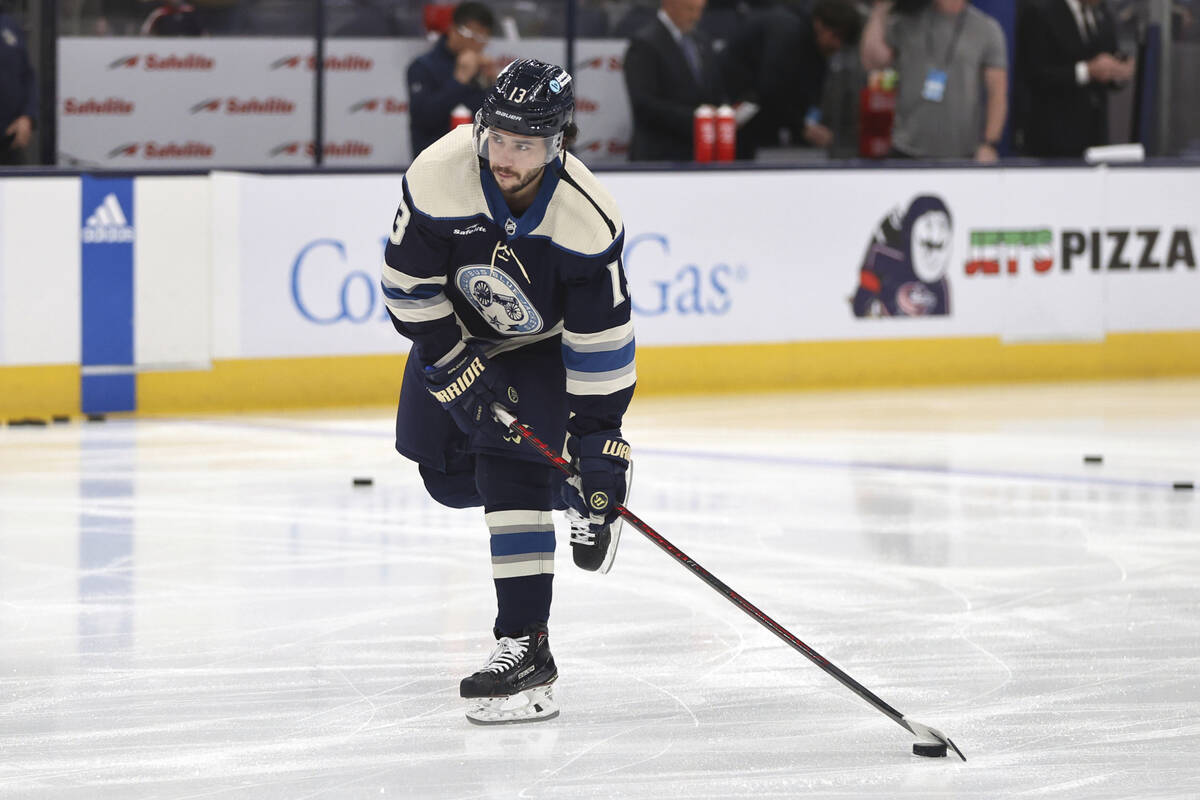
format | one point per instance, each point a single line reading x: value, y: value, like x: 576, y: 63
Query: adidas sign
x: 107, y: 223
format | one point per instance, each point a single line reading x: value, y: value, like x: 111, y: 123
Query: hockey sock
x: 517, y: 501
x: 522, y: 566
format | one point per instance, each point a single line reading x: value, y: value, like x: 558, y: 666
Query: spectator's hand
x: 21, y: 130
x: 467, y: 66
x: 1124, y: 69
x: 489, y: 69
x: 1104, y: 68
x: 818, y: 135
x: 986, y: 154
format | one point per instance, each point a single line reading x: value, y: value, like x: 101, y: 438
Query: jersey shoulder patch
x: 583, y: 217
x: 443, y: 181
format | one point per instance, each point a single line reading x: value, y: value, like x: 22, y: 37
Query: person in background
x: 944, y: 51
x: 772, y: 61
x: 453, y: 72
x: 670, y: 69
x: 18, y: 94
x: 173, y: 18
x: 837, y: 26
x: 1067, y: 65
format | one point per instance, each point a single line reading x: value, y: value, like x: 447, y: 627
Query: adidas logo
x: 107, y: 223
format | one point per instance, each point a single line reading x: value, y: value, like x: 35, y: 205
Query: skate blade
x: 614, y: 533
x: 614, y: 530
x: 531, y: 705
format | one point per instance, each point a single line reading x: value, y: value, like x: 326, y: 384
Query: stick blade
x: 932, y: 734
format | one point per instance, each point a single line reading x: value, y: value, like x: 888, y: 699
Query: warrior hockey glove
x: 602, y: 459
x: 467, y: 387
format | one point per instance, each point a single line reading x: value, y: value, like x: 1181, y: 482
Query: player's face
x: 516, y: 161
x: 931, y: 240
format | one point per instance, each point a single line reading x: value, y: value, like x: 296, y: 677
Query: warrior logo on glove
x: 602, y: 460
x: 473, y: 370
x: 616, y: 448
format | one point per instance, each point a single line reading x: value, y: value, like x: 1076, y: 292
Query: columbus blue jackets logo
x: 498, y: 299
x: 904, y: 270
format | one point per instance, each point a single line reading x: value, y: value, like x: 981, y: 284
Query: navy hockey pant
x: 512, y: 482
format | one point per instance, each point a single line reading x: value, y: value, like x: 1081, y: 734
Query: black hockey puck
x: 60, y: 419
x: 1182, y: 485
x: 27, y: 422
x: 929, y: 749
x: 1093, y: 459
x: 95, y: 418
x: 364, y: 481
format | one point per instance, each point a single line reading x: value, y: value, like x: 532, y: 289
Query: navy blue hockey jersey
x: 460, y: 266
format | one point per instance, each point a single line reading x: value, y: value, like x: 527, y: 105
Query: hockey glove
x: 602, y: 460
x: 466, y: 388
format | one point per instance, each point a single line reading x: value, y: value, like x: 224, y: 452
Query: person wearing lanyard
x: 952, y: 65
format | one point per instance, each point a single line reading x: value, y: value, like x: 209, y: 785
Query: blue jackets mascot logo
x: 903, y: 273
x: 498, y: 299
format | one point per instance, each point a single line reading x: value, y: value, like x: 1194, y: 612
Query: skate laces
x: 581, y: 530
x: 507, y: 653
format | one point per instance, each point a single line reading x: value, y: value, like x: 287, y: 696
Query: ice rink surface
x: 207, y: 608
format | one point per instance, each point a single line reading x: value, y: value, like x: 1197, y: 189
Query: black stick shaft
x: 729, y: 594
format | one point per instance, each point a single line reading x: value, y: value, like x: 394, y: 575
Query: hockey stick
x: 923, y: 732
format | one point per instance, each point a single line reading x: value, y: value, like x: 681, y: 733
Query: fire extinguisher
x: 461, y: 115
x: 726, y: 134
x: 876, y: 114
x: 704, y: 133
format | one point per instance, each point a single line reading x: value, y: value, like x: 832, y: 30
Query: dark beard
x: 528, y: 180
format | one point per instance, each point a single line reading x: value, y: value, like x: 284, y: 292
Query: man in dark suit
x: 670, y: 68
x: 1067, y: 63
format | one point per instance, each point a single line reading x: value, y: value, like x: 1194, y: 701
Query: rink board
x: 232, y: 291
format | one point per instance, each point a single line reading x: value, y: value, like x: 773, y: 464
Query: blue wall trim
x: 106, y: 260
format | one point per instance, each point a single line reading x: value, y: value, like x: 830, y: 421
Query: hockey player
x: 504, y: 269
x: 904, y: 270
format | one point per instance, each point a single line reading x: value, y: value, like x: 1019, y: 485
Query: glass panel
x: 19, y: 52
x: 1184, y: 128
x: 175, y: 18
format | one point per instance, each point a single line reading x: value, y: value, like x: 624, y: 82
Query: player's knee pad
x: 507, y: 483
x: 453, y: 489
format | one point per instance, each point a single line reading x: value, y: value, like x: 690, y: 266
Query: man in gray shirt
x: 952, y: 95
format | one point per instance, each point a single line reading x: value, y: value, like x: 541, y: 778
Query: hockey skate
x: 515, y: 684
x: 594, y: 544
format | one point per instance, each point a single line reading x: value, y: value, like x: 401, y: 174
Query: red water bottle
x: 704, y: 133
x: 461, y: 115
x: 726, y: 134
x: 876, y: 115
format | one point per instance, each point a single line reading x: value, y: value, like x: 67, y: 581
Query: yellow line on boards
x: 282, y: 383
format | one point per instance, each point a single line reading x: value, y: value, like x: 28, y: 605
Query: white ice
x: 206, y: 607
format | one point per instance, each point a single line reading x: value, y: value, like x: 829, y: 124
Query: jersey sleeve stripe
x: 602, y: 340
x: 405, y: 282
x: 420, y: 310
x: 424, y: 292
x: 601, y: 383
x: 598, y: 360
